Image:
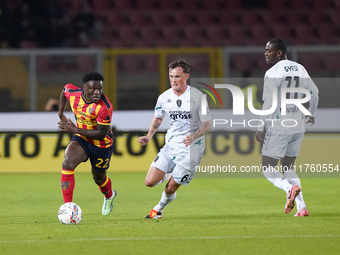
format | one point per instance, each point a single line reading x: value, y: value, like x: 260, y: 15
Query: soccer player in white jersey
x: 282, y: 141
x: 185, y: 140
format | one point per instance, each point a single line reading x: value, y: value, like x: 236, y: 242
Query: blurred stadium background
x: 46, y: 44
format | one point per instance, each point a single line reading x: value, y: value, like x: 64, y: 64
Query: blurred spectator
x: 59, y: 24
x: 84, y: 24
x: 52, y: 105
x: 40, y: 21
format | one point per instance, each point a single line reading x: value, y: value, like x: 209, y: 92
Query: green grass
x: 210, y: 216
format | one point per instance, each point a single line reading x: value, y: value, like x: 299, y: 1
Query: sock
x: 165, y: 200
x: 67, y: 184
x: 294, y: 179
x: 106, y: 188
x: 166, y: 177
x: 275, y: 177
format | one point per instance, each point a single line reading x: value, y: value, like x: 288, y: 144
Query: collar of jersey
x: 87, y: 102
x: 188, y: 89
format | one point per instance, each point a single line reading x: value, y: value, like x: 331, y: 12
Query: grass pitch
x: 210, y: 216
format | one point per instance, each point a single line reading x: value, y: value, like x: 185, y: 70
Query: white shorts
x: 181, y: 164
x: 280, y: 145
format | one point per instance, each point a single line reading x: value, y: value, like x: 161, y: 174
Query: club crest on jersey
x: 91, y: 110
x: 179, y: 102
x: 65, y: 185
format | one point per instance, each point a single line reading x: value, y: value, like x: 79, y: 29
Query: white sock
x: 165, y: 200
x: 166, y: 177
x: 294, y: 179
x: 275, y: 177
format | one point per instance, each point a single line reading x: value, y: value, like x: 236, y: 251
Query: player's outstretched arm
x: 204, y: 129
x: 62, y: 105
x: 155, y: 124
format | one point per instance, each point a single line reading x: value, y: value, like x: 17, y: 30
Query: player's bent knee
x: 148, y: 183
x: 68, y: 164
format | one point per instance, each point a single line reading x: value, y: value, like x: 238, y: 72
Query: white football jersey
x: 287, y: 74
x: 185, y: 112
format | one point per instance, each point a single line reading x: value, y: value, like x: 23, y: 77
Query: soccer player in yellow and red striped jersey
x: 93, y: 138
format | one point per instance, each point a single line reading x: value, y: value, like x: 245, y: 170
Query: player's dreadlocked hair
x: 92, y: 76
x: 180, y: 63
x: 279, y: 44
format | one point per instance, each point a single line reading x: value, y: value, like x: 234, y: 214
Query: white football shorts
x: 280, y: 145
x: 181, y: 164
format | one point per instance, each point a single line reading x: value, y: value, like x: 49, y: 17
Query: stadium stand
x: 259, y: 32
x: 146, y: 4
x: 204, y: 18
x: 317, y: 17
x: 250, y: 18
x: 299, y: 22
x: 327, y: 34
x: 312, y: 63
x: 304, y: 33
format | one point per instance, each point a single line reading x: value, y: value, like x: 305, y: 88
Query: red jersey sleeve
x: 105, y: 112
x: 70, y: 89
x: 104, y: 116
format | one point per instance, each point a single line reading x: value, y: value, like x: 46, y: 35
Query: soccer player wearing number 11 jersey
x: 282, y: 136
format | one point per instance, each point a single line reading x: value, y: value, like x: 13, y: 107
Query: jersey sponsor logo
x: 156, y: 158
x: 85, y: 122
x: 79, y: 112
x: 179, y: 102
x: 174, y: 115
x: 158, y: 108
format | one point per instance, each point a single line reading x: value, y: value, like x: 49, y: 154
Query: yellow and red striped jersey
x: 89, y: 114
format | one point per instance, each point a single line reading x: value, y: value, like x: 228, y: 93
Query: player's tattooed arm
x: 204, y: 129
x: 155, y: 124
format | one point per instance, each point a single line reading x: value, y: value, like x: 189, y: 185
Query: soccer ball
x: 70, y: 213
